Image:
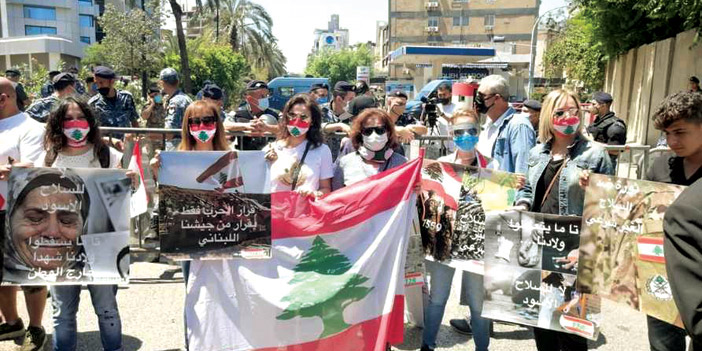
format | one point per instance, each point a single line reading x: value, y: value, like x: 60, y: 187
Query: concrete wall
x: 640, y: 79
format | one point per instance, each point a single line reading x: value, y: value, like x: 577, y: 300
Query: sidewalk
x: 152, y: 320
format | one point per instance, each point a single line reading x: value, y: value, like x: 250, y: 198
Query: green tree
x: 132, y: 43
x: 339, y: 65
x: 324, y: 288
x: 218, y: 63
x: 575, y: 51
x: 620, y: 25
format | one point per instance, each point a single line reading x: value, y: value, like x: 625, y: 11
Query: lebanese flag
x: 651, y: 249
x: 449, y: 188
x: 140, y: 199
x: 335, y: 280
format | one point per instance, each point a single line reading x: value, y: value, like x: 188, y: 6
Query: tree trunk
x: 234, y: 38
x: 184, y: 63
x: 217, y: 21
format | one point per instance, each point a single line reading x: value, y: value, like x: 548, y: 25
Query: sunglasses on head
x: 378, y: 130
x: 571, y: 112
x: 202, y: 120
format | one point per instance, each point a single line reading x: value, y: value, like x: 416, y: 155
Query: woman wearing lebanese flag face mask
x: 558, y: 173
x: 300, y: 161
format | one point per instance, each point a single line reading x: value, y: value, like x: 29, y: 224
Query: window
x: 287, y: 91
x: 38, y: 30
x: 85, y: 40
x: 86, y: 21
x: 433, y: 22
x: 489, y: 20
x: 40, y: 13
x: 85, y: 2
x: 460, y: 21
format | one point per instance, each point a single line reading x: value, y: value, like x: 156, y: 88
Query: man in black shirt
x: 254, y: 116
x: 607, y: 128
x: 680, y: 118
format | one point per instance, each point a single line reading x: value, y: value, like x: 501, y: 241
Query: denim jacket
x: 584, y: 155
x: 516, y: 137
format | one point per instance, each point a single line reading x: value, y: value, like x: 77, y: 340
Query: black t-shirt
x: 550, y: 205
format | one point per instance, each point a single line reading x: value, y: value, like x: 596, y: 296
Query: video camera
x: 430, y: 110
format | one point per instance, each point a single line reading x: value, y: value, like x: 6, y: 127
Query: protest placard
x: 531, y: 273
x: 621, y: 249
x: 67, y: 226
x: 452, y: 205
x: 214, y: 205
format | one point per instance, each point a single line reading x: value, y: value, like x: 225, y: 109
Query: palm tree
x: 212, y: 6
x: 184, y: 65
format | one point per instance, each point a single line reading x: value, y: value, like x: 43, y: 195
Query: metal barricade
x: 632, y: 160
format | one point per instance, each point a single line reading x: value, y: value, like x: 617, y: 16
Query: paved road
x: 152, y: 320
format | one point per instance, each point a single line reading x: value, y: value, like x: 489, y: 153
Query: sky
x: 294, y: 22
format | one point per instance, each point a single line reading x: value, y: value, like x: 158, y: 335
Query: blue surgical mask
x: 322, y: 100
x: 158, y: 99
x: 263, y: 103
x: 466, y: 142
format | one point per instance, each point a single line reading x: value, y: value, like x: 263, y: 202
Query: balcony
x: 431, y: 5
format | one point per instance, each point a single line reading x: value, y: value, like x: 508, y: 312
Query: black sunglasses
x: 470, y: 131
x: 202, y: 120
x: 378, y: 130
x: 571, y: 112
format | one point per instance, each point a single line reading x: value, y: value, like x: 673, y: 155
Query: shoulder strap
x: 296, y: 172
x: 553, y: 181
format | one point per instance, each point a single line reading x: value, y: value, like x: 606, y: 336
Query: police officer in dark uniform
x: 320, y: 92
x: 607, y: 128
x: 23, y: 100
x: 695, y: 85
x: 113, y: 108
x: 213, y: 94
x: 48, y: 88
x: 342, y: 94
x: 80, y: 88
x: 254, y: 115
x: 63, y: 85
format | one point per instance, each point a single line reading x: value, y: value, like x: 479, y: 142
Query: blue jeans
x: 472, y: 290
x: 663, y: 336
x: 65, y: 300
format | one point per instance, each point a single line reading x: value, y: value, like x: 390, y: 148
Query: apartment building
x: 503, y: 26
x: 332, y: 38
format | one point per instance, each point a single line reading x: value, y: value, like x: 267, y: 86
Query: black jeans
x: 550, y: 340
x: 663, y: 336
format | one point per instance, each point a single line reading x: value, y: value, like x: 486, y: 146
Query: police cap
x: 602, y: 97
x: 104, y: 72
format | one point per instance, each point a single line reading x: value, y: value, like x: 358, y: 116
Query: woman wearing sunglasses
x: 374, y: 139
x: 300, y: 161
x: 465, y: 130
x: 558, y: 172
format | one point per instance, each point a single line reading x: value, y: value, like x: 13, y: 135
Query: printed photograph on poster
x: 67, y: 226
x: 207, y: 210
x: 531, y: 271
x: 621, y: 246
x: 452, y: 205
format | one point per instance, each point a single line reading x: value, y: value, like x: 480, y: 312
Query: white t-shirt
x: 488, y: 137
x: 447, y: 109
x: 87, y: 159
x: 318, y: 165
x: 21, y: 138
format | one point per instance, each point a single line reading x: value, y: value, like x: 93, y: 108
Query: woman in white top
x: 300, y: 161
x: 73, y: 140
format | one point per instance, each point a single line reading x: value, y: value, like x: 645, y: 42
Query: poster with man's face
x: 67, y: 226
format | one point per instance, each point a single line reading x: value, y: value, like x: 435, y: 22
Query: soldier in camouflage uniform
x: 176, y: 103
x: 48, y: 88
x: 114, y: 108
x: 154, y: 115
x: 63, y: 85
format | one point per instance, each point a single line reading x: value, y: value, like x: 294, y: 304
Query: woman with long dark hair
x: 73, y: 140
x: 300, y: 161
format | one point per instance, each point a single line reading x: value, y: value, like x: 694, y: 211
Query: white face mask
x: 203, y: 135
x: 375, y: 142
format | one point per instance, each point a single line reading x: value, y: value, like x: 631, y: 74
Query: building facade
x: 334, y: 37
x: 45, y: 32
x: 503, y: 25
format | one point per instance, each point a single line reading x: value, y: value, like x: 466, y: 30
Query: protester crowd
x: 547, y: 142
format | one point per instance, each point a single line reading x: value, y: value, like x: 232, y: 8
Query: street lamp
x: 532, y: 50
